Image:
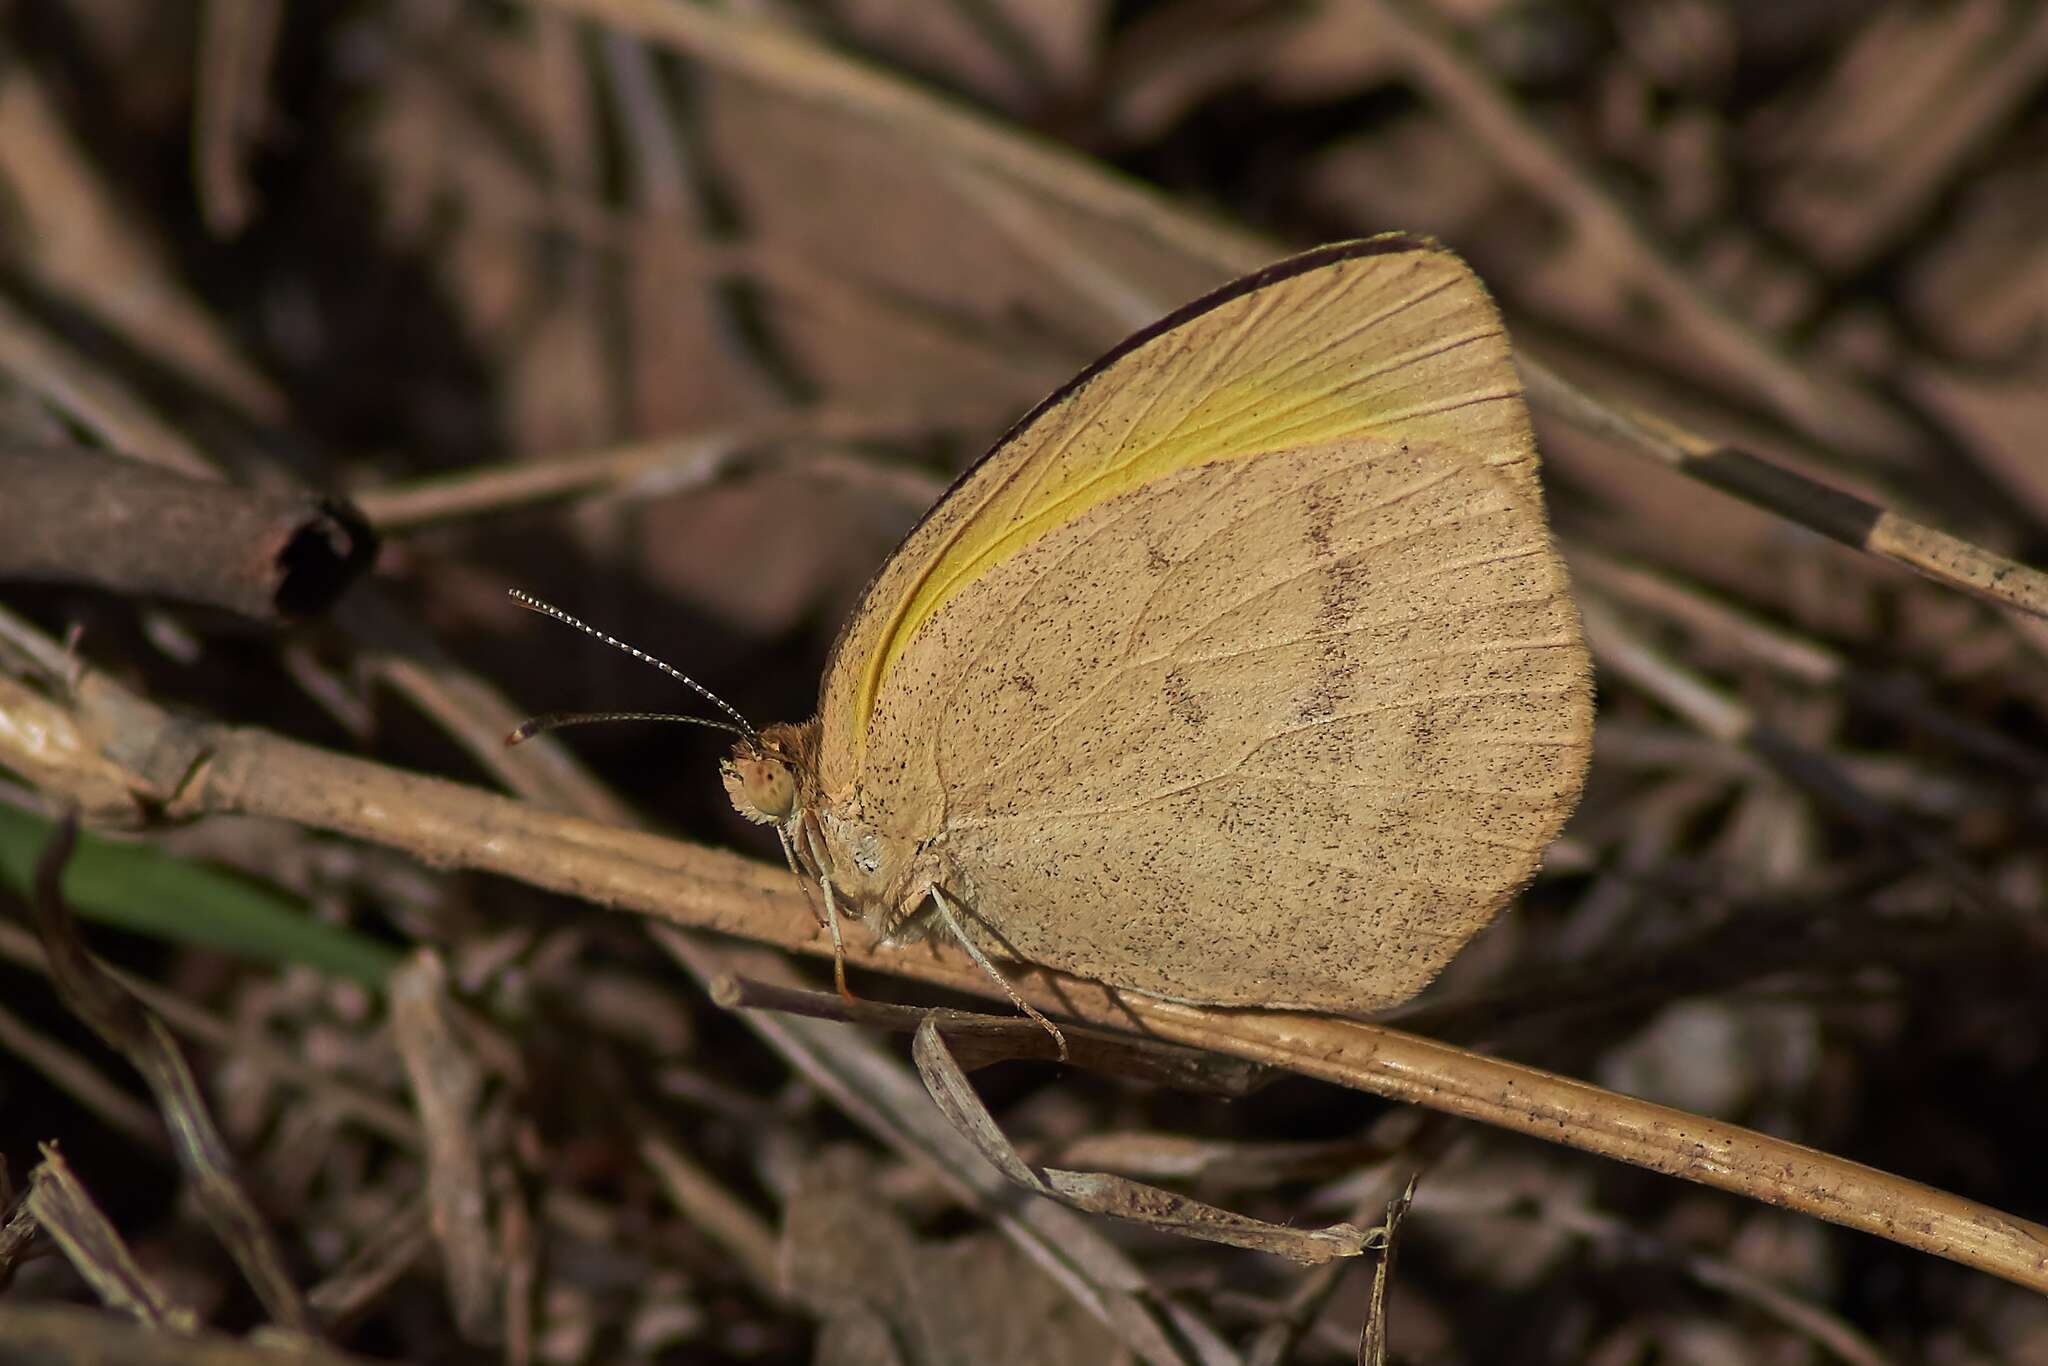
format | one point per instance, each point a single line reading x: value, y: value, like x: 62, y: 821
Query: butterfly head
x: 769, y: 775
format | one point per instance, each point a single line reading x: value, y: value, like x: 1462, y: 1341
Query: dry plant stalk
x: 66, y: 1335
x: 141, y: 1037
x: 447, y: 1086
x: 805, y: 73
x: 82, y: 516
x: 213, y: 769
x: 64, y: 1211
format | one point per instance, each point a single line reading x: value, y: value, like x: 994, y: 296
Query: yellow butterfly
x: 1241, y: 671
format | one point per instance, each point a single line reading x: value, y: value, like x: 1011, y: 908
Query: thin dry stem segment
x: 83, y: 516
x: 689, y: 886
x: 447, y: 1086
x: 122, y: 1022
x: 1840, y: 516
x: 64, y: 1210
x: 809, y: 75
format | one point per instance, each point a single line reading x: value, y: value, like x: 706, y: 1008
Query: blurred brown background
x: 679, y: 322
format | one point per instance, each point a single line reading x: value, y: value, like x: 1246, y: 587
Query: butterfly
x: 1242, y: 670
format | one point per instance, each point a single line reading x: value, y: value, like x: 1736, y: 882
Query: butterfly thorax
x: 772, y: 779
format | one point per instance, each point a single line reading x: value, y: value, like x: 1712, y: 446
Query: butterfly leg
x: 950, y: 914
x: 831, y: 915
x: 838, y: 944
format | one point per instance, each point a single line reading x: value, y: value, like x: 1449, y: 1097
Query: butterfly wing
x: 1241, y: 670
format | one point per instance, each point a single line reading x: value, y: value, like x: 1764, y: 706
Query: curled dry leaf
x: 1116, y: 1196
x: 447, y: 1085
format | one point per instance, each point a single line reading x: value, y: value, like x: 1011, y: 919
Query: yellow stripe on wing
x: 1299, y: 362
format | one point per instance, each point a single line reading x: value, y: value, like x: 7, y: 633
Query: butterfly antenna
x: 741, y: 725
x: 555, y: 720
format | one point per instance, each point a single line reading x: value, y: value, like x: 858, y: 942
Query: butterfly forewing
x: 1244, y: 669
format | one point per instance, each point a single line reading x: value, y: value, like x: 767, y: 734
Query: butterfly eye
x: 762, y: 789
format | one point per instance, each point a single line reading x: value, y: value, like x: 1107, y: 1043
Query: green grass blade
x: 141, y: 888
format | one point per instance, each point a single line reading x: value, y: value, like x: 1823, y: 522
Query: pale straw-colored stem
x: 196, y: 769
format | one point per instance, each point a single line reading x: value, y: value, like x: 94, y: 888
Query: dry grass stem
x: 222, y: 769
x: 65, y: 1211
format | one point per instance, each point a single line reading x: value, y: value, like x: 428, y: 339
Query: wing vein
x: 1483, y: 647
x: 1113, y: 671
